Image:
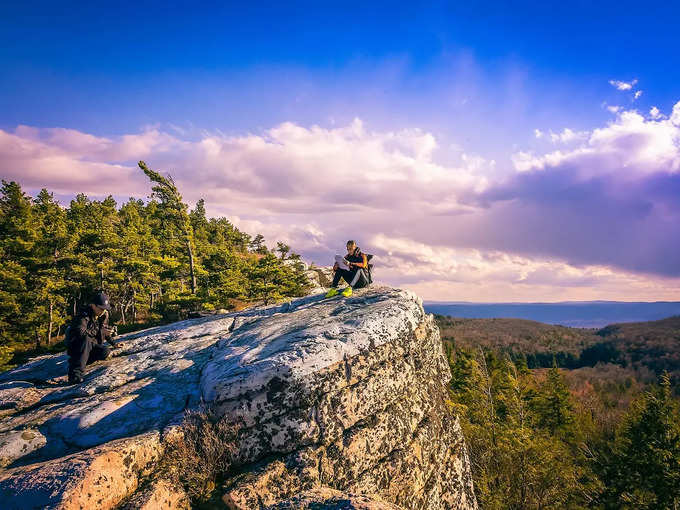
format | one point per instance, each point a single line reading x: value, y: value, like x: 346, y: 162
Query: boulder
x: 320, y: 278
x: 344, y: 393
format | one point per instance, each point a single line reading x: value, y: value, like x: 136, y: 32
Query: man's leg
x: 78, y: 359
x: 339, y: 274
x: 99, y: 353
x: 359, y: 279
x: 73, y: 360
x: 344, y: 274
x: 336, y: 277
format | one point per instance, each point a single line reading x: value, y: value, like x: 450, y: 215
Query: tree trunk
x: 49, y: 326
x: 37, y: 339
x: 191, y: 266
x: 122, y: 314
x: 134, y: 306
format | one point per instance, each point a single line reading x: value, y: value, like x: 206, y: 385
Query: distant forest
x: 559, y: 417
x: 644, y: 350
x: 158, y: 260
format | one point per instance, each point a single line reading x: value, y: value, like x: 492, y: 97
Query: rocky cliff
x: 339, y: 400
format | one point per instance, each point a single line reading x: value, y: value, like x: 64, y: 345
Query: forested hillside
x: 642, y: 349
x: 157, y: 259
x: 602, y: 432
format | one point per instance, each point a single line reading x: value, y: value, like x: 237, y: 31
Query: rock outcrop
x: 339, y: 400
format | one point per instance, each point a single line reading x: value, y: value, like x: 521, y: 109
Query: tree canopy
x: 158, y: 260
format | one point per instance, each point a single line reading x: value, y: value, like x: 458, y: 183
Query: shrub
x: 199, y: 452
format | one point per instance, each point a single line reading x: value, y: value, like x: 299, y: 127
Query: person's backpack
x: 369, y: 269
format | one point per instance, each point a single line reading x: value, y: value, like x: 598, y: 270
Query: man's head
x: 100, y: 302
x: 351, y: 246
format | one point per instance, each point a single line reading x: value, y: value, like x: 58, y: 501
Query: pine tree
x: 266, y: 277
x: 553, y: 405
x: 282, y: 249
x: 175, y: 210
x: 51, y: 261
x: 644, y: 468
x: 156, y: 261
x: 18, y: 235
x: 257, y: 245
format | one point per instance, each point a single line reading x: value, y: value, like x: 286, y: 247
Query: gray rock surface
x: 342, y: 393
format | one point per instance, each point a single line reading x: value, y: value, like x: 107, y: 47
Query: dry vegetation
x: 199, y: 453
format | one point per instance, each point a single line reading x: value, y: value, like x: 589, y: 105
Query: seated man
x: 355, y: 276
x: 86, y: 335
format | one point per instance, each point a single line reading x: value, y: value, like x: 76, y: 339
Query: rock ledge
x: 332, y: 395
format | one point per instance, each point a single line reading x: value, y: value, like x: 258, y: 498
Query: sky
x: 482, y: 151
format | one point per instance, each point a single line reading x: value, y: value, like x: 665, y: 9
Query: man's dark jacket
x: 87, y: 327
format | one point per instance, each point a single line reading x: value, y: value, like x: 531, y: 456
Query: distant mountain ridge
x: 579, y: 314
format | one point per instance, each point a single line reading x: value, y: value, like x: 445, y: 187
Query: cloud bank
x: 596, y: 218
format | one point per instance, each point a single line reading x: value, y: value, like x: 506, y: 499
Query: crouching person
x: 356, y: 276
x: 86, y: 336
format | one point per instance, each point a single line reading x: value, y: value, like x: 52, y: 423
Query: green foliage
x: 509, y: 419
x: 642, y: 468
x: 645, y: 349
x: 157, y: 260
x: 590, y: 437
x: 553, y: 406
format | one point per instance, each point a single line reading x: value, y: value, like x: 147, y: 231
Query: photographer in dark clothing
x: 86, y: 336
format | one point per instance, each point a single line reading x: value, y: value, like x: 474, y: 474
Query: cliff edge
x: 337, y: 400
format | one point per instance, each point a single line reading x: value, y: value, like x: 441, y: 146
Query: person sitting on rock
x: 86, y: 335
x: 355, y: 276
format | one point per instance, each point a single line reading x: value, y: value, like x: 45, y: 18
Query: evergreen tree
x: 174, y: 210
x: 554, y: 409
x: 156, y: 261
x: 282, y: 249
x: 266, y: 278
x: 516, y: 463
x: 643, y: 471
x: 18, y: 236
x: 51, y: 261
x: 257, y: 245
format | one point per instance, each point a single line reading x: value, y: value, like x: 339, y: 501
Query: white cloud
x: 445, y: 273
x: 568, y: 136
x: 538, y: 133
x: 637, y: 95
x: 288, y: 163
x: 655, y: 113
x: 592, y: 220
x: 631, y: 141
x: 623, y: 85
x: 614, y: 109
x: 675, y: 115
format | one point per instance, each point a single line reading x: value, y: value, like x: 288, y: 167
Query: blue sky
x: 109, y: 68
x: 487, y: 109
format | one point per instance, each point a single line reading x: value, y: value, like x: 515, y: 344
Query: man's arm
x: 108, y: 336
x: 108, y: 332
x: 80, y: 326
x: 363, y: 264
